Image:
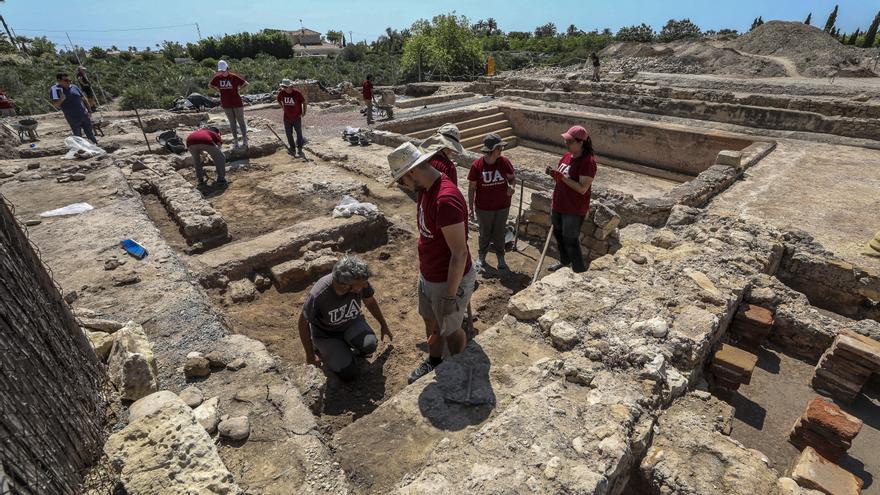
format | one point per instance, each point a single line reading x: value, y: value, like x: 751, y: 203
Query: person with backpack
x: 69, y: 99
x: 228, y: 85
x: 207, y: 139
x: 293, y: 104
x: 491, y: 186
x: 571, y: 197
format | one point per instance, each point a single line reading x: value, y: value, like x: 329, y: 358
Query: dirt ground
x: 779, y: 392
x: 271, y: 318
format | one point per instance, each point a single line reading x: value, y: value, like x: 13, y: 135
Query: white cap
x: 222, y: 66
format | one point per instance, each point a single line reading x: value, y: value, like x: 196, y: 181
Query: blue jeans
x: 80, y: 125
x: 567, y: 231
x: 289, y: 127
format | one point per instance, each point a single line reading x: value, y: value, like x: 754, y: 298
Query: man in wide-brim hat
x: 446, y: 276
x: 446, y: 141
x: 293, y: 104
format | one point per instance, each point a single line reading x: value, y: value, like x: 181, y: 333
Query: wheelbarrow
x: 27, y: 127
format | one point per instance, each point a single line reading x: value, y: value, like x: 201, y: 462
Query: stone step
x: 512, y: 142
x: 472, y: 141
x: 478, y: 118
x: 482, y: 130
x: 736, y: 360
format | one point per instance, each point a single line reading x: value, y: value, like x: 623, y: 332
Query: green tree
x: 679, y: 30
x: 354, y: 52
x: 334, y: 36
x: 572, y: 30
x: 853, y: 37
x: 642, y: 33
x: 832, y: 18
x: 172, y: 50
x: 40, y: 46
x: 446, y: 46
x: 97, y: 52
x: 545, y: 31
x: 871, y: 33
x: 808, y: 19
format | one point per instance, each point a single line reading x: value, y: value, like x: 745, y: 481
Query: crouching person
x: 207, y: 140
x: 332, y: 321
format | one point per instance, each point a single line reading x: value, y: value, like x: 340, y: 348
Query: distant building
x: 308, y: 43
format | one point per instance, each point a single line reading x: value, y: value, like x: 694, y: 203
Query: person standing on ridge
x: 293, y: 104
x: 229, y: 84
x: 491, y: 186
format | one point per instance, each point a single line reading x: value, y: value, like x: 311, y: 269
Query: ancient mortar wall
x: 664, y: 146
x: 51, y: 405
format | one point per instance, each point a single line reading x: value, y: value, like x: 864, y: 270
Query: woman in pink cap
x: 571, y: 197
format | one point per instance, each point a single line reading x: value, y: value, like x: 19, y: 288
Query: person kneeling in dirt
x: 207, y: 140
x: 446, y: 277
x: 293, y: 105
x: 332, y: 320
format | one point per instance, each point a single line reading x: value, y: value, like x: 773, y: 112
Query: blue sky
x: 368, y: 19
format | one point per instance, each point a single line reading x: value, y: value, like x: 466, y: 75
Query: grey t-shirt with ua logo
x: 330, y: 314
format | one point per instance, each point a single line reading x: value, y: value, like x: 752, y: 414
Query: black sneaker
x: 423, y: 369
x: 222, y: 183
x: 557, y: 266
x: 291, y: 152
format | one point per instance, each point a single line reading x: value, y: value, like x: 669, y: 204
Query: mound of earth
x: 812, y: 50
x: 8, y: 142
x: 687, y: 57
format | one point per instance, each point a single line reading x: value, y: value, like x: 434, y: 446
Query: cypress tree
x: 853, y: 37
x: 868, y: 42
x: 832, y: 18
x: 808, y: 19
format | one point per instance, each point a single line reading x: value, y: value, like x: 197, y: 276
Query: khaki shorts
x: 431, y: 293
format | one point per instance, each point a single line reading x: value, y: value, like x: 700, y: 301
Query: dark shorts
x: 88, y: 91
x: 336, y: 350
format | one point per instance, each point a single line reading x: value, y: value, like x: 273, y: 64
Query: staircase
x: 475, y: 128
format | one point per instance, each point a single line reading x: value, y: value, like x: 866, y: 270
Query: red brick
x: 829, y: 416
x: 755, y: 315
x: 868, y: 349
x: 736, y: 359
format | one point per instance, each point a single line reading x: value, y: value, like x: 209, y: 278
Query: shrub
x: 641, y: 33
x: 209, y: 63
x: 679, y: 30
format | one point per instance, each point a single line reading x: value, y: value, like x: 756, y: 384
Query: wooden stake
x: 543, y: 254
x: 522, y: 187
x: 141, y: 124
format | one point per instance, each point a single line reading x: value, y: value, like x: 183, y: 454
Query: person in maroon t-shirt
x: 367, y: 89
x: 294, y: 104
x: 207, y: 140
x: 229, y: 84
x: 7, y: 109
x: 571, y: 197
x: 446, y: 278
x: 491, y: 180
x: 447, y: 140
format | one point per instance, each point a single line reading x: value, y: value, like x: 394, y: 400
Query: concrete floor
x: 779, y: 391
x: 639, y: 185
x: 830, y: 191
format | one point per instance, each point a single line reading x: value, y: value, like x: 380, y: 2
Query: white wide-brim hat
x: 404, y: 158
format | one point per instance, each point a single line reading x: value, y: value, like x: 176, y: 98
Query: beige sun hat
x: 404, y: 158
x: 447, y: 136
x: 286, y: 83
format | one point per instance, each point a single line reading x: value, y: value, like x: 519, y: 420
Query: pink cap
x: 576, y: 132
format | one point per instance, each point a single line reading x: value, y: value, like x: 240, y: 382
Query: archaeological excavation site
x: 725, y: 338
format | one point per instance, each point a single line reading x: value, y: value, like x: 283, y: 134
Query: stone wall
x: 598, y: 235
x: 51, y: 405
x: 665, y: 146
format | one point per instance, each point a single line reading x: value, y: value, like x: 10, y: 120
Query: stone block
x: 563, y: 335
x: 192, y: 396
x: 537, y: 217
x: 152, y: 403
x: 131, y: 365
x: 730, y: 158
x: 196, y: 365
x: 864, y: 347
x: 208, y: 414
x: 242, y: 291
x: 99, y: 324
x: 102, y: 343
x: 828, y: 416
x: 606, y: 221
x: 237, y: 428
x: 813, y: 471
x: 147, y: 455
x: 293, y: 273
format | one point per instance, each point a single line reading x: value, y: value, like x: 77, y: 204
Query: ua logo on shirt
x: 345, y: 312
x: 423, y: 230
x: 289, y: 100
x: 492, y: 177
x: 564, y: 168
x: 225, y: 84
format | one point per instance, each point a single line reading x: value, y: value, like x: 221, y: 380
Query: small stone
x: 33, y: 222
x: 677, y: 383
x: 216, y: 359
x: 262, y: 282
x: 563, y: 335
x: 236, y: 364
x: 33, y: 165
x: 638, y: 259
x: 70, y: 296
x: 196, y: 365
x: 242, y: 291
x: 101, y: 342
x: 665, y: 239
x: 208, y: 414
x: 127, y: 278
x: 192, y: 396
x: 77, y: 177
x: 655, y: 369
x: 113, y: 263
x: 99, y: 324
x: 552, y: 468
x: 237, y: 428
x: 656, y: 327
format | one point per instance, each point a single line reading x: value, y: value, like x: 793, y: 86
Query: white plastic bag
x: 81, y: 148
x: 71, y: 209
x: 350, y: 206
